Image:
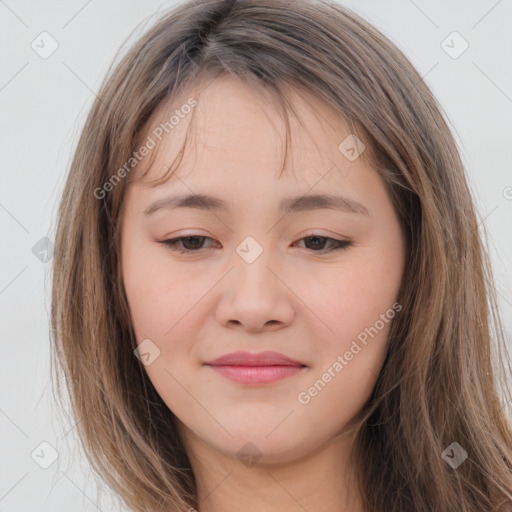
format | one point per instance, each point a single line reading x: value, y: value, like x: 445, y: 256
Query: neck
x: 321, y: 481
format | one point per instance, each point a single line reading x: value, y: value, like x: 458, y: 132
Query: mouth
x: 262, y: 368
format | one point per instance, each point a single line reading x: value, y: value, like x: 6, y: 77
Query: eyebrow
x: 289, y: 205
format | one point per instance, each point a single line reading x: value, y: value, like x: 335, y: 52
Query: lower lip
x: 256, y: 374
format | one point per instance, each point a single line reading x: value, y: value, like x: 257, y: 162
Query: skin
x: 295, y: 298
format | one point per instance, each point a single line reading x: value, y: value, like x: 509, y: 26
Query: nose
x: 255, y: 298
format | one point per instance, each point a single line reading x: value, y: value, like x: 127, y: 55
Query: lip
x: 267, y: 358
x: 261, y: 368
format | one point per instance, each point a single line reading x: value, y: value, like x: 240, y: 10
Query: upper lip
x: 267, y: 358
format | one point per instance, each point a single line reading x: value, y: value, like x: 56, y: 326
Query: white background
x: 43, y: 103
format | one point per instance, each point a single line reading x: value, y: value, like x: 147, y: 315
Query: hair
x: 441, y: 380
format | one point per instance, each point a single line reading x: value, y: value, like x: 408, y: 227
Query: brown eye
x: 186, y: 243
x: 318, y: 243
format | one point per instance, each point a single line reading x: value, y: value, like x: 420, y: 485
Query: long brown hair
x: 442, y: 381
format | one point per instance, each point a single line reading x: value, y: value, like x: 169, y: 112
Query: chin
x: 253, y: 445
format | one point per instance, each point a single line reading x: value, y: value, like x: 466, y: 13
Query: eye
x: 317, y: 243
x: 194, y: 243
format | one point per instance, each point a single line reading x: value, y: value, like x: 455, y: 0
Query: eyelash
x: 173, y: 243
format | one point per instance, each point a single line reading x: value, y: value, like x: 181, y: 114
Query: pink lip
x: 261, y: 368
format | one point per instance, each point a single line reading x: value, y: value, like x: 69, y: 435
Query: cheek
x: 164, y: 306
x: 357, y: 303
x: 360, y: 306
x: 354, y: 297
x: 158, y: 295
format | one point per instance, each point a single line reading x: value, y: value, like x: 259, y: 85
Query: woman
x: 317, y: 338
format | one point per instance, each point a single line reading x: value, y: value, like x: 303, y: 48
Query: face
x: 265, y: 267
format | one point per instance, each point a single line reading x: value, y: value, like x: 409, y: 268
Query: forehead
x: 228, y: 126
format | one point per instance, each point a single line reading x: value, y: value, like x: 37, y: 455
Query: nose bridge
x: 252, y: 262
